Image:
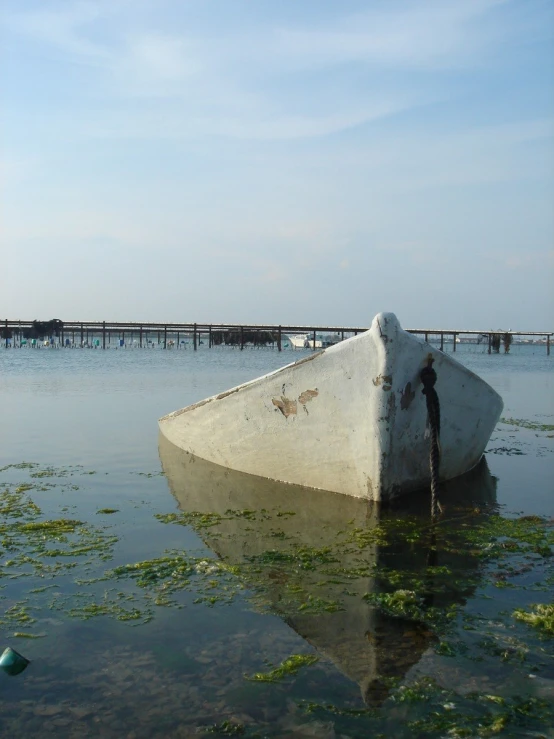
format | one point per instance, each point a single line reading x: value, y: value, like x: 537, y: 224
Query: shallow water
x: 170, y: 654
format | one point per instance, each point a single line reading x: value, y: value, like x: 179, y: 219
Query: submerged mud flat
x: 314, y: 616
x: 177, y: 599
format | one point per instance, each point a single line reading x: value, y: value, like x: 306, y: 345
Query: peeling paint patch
x: 383, y: 379
x: 307, y: 395
x: 407, y: 396
x: 285, y: 405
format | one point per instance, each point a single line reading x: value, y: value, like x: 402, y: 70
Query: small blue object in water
x: 12, y: 662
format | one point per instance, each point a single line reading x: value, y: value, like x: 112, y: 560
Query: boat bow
x: 349, y: 419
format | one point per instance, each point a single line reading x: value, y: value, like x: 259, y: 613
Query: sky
x: 295, y: 162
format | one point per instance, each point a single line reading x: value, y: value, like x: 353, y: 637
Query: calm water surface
x: 399, y: 634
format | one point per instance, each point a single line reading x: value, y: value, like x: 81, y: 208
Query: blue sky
x: 280, y: 162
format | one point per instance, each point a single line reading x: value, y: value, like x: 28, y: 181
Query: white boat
x: 301, y: 341
x: 349, y: 419
x: 306, y: 341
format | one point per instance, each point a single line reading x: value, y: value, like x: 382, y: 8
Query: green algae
x: 26, y: 635
x: 290, y: 666
x: 35, y: 540
x: 173, y: 572
x: 404, y: 603
x: 531, y: 425
x: 318, y: 580
x: 43, y: 589
x: 17, y: 614
x: 477, y: 716
x: 541, y: 617
x: 314, y: 604
x: 48, y: 472
x: 117, y: 605
x: 495, y: 539
x: 107, y: 609
x: 19, y: 466
x: 303, y: 557
x: 14, y: 503
x: 499, y: 537
x: 176, y: 571
x: 331, y: 708
x: 55, y: 529
x: 225, y: 728
x: 197, y: 521
x: 364, y: 538
x: 37, y: 547
x: 506, y: 648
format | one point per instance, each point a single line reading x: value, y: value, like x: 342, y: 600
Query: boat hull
x: 350, y: 419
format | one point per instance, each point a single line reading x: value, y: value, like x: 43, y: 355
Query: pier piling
x: 12, y: 333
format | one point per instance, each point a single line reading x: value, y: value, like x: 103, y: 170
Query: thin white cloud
x: 423, y: 34
x: 279, y: 127
x: 63, y: 29
x: 259, y: 120
x: 160, y: 65
x: 404, y: 35
x: 237, y: 86
x: 158, y: 144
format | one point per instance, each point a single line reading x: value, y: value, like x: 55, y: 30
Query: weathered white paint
x: 350, y: 419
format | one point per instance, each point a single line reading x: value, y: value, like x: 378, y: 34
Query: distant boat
x: 350, y: 419
x: 306, y: 341
x: 301, y: 341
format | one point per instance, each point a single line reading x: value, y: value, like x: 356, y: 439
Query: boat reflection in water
x: 320, y: 560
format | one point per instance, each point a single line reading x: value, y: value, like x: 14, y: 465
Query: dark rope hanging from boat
x: 428, y: 378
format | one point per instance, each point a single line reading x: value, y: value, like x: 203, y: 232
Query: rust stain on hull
x: 407, y: 396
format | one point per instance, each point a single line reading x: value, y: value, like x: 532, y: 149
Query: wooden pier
x: 83, y: 333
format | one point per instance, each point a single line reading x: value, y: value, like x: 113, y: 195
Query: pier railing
x: 81, y: 333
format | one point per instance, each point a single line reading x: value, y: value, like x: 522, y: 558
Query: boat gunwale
x: 243, y: 385
x: 231, y: 391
